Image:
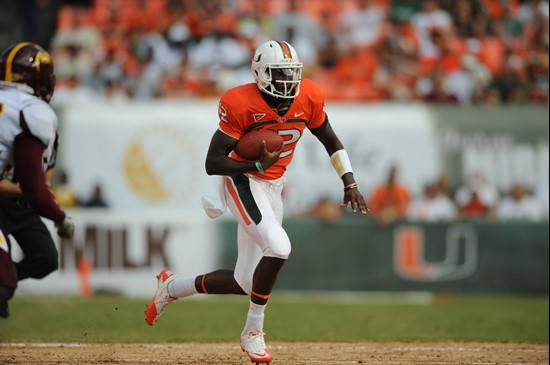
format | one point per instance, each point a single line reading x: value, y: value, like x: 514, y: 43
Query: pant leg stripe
x: 238, y: 202
x: 242, y: 183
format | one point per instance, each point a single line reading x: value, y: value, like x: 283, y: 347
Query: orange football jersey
x: 242, y: 109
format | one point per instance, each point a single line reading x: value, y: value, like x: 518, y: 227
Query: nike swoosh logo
x: 296, y: 115
x: 260, y: 355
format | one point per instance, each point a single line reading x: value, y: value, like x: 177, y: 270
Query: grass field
x: 118, y: 319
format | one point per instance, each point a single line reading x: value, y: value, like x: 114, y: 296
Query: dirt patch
x: 322, y: 353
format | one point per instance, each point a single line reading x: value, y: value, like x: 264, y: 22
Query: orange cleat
x: 161, y: 299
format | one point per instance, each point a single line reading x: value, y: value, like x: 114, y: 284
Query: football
x: 249, y: 146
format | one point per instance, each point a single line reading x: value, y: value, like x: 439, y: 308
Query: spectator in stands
x: 148, y: 81
x: 519, y: 206
x: 303, y: 26
x: 362, y: 27
x: 465, y: 13
x: 115, y: 91
x: 476, y: 198
x: 432, y: 89
x: 433, y: 206
x: 77, y: 30
x: 73, y: 61
x: 256, y: 25
x: 96, y: 200
x: 390, y: 201
x: 509, y: 82
x: 326, y: 210
x: 430, y: 19
x: 110, y: 69
x: 64, y: 192
x: 533, y: 12
x: 72, y: 91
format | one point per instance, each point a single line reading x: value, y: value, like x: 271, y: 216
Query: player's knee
x: 44, y: 265
x: 279, y: 243
x: 279, y: 251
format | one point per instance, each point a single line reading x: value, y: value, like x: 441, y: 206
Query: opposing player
x: 28, y: 128
x: 20, y: 221
x: 279, y: 100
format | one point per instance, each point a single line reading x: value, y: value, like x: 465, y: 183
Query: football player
x: 282, y: 101
x: 28, y: 130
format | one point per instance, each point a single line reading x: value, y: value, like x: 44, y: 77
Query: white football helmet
x: 277, y: 55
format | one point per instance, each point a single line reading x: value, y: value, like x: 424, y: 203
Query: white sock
x: 182, y: 287
x: 254, y: 319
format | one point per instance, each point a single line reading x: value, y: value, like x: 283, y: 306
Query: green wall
x: 360, y: 254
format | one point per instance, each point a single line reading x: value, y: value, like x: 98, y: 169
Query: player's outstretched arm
x: 340, y: 161
x: 218, y: 161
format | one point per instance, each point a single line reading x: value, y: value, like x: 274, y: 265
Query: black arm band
x: 321, y: 128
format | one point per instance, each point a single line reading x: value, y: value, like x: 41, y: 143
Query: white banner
x: 151, y: 155
x: 127, y: 249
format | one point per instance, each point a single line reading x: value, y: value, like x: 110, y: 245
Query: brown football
x: 249, y: 146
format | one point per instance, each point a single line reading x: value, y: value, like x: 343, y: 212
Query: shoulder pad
x: 236, y: 100
x: 314, y: 91
x: 40, y: 119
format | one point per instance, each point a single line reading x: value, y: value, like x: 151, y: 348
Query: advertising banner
x: 126, y: 249
x: 506, y: 145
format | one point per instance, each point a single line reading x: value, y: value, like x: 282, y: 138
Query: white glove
x: 65, y: 229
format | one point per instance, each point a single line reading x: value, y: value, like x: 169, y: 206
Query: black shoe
x: 5, y: 295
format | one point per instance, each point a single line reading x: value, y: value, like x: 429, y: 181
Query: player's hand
x: 268, y: 159
x: 355, y: 198
x: 65, y: 229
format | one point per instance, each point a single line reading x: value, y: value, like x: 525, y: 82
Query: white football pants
x: 257, y: 206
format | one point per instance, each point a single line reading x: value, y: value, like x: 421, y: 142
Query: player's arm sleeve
x: 28, y: 170
x: 230, y: 122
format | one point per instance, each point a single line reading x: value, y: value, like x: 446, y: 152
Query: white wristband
x: 341, y: 163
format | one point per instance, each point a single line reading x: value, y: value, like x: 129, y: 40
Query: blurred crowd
x: 391, y: 201
x: 446, y: 51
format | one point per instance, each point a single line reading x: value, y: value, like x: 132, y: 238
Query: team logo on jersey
x: 281, y: 120
x: 259, y: 116
x: 161, y: 165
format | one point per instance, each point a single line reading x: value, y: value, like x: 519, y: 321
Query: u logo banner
x: 409, y: 254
